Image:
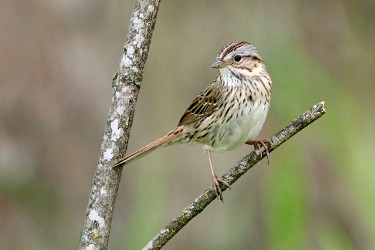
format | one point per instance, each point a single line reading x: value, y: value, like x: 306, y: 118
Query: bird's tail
x: 167, y: 139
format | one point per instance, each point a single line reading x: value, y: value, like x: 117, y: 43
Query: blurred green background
x: 56, y: 67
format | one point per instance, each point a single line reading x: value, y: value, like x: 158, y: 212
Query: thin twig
x: 126, y: 84
x: 233, y: 175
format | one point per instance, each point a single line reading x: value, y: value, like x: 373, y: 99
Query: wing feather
x: 202, y: 106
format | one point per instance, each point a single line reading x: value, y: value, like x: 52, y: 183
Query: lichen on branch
x: 125, y: 88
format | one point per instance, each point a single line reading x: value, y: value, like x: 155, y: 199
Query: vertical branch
x: 126, y: 84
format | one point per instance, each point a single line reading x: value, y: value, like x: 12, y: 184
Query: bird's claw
x: 216, y: 181
x: 259, y: 144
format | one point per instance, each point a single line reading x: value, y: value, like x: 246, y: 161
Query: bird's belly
x: 239, y: 129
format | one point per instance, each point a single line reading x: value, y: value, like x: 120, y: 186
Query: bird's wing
x: 202, y: 106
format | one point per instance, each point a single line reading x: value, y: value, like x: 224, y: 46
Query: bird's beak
x: 218, y: 64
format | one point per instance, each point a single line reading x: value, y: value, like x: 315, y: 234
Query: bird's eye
x: 237, y: 58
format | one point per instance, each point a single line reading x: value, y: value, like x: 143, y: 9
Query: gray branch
x: 125, y: 84
x: 233, y: 175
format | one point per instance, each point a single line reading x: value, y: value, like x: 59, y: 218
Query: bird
x: 228, y: 113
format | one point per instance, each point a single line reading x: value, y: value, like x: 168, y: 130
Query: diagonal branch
x: 199, y: 204
x: 125, y: 84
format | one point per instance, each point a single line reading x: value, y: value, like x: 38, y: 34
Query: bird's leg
x: 258, y: 144
x: 216, y: 180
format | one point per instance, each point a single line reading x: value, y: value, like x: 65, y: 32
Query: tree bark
x: 199, y: 204
x: 126, y: 84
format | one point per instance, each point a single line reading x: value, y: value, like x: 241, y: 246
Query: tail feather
x: 163, y: 141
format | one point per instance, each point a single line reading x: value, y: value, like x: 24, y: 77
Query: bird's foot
x: 259, y: 144
x: 217, y: 188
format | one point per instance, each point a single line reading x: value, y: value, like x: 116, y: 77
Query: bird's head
x: 241, y: 59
